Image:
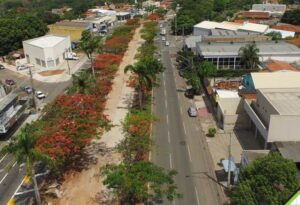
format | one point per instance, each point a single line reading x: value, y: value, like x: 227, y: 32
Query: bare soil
x: 86, y: 187
x: 51, y: 72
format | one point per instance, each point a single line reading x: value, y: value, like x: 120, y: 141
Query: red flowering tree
x: 117, y: 44
x: 105, y: 60
x: 154, y: 17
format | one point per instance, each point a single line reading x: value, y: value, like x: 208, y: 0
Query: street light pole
x: 67, y: 58
x: 229, y: 163
x: 33, y: 90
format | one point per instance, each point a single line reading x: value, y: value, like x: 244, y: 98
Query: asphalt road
x: 180, y: 143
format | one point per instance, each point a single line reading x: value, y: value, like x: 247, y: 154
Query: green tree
x: 130, y: 181
x: 48, y: 17
x: 275, y: 35
x: 267, y: 180
x: 249, y: 56
x: 16, y: 28
x: 291, y: 17
x: 183, y: 24
x: 137, y: 141
x: 83, y: 83
x: 89, y: 44
x: 207, y: 69
x: 161, y: 11
x: 146, y: 79
x: 150, y: 8
x: 24, y: 150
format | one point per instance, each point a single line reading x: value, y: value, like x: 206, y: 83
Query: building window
x: 50, y: 63
x: 43, y: 64
x: 57, y: 61
x: 38, y: 61
x: 27, y: 58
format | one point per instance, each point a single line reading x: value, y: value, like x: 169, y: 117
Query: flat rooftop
x: 46, y: 41
x: 285, y: 101
x: 289, y: 150
x: 232, y: 48
x: 7, y: 100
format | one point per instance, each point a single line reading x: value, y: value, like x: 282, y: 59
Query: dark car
x: 27, y: 89
x: 10, y: 82
x: 190, y: 93
x: 2, y: 67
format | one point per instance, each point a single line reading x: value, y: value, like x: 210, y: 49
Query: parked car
x: 27, y: 89
x: 167, y: 43
x: 10, y: 82
x: 40, y: 95
x: 2, y: 67
x: 163, y: 38
x: 192, y: 111
x: 72, y: 56
x: 190, y: 93
x: 22, y: 67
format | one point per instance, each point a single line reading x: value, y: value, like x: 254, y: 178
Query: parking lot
x: 51, y: 90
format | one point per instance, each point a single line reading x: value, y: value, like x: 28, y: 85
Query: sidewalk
x: 74, y: 65
x: 218, y: 145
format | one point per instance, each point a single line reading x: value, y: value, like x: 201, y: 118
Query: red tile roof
x: 242, y: 21
x: 295, y: 41
x: 287, y: 28
x: 255, y: 15
x: 280, y: 65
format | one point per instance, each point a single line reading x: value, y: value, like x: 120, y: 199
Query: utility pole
x: 229, y: 163
x: 67, y: 59
x: 33, y: 90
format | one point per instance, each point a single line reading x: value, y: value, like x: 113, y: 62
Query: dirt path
x: 83, y: 188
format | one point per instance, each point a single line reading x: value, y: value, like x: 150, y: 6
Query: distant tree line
x: 195, y: 11
x: 19, y: 27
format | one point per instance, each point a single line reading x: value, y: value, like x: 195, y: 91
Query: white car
x: 22, y: 67
x: 192, y: 112
x: 163, y: 38
x: 167, y: 43
x: 40, y: 95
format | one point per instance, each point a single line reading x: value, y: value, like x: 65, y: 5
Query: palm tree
x: 146, y: 79
x: 249, y: 55
x: 90, y: 44
x: 82, y: 83
x: 24, y: 150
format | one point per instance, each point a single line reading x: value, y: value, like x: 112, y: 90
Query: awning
x: 225, y: 164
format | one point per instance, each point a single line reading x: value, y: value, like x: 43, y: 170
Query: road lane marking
x: 165, y: 91
x: 3, y: 178
x: 18, y: 188
x: 181, y: 110
x: 197, y: 196
x: 189, y: 152
x: 3, y: 158
x: 167, y: 119
x: 170, y: 158
x: 184, y: 129
x: 169, y: 138
x: 14, y: 164
x: 166, y: 104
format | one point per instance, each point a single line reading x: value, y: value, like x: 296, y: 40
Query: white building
x: 275, y: 114
x: 206, y: 27
x: 46, y: 51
